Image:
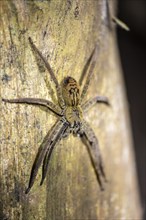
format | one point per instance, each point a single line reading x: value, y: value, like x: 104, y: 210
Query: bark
x: 66, y: 33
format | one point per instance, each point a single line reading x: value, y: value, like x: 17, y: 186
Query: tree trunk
x: 66, y: 33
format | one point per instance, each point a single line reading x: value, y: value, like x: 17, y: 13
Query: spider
x: 69, y: 111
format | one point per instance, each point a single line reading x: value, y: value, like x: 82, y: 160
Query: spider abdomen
x: 70, y: 91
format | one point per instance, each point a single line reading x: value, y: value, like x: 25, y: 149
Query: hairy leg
x: 120, y: 23
x: 114, y: 19
x: 53, y: 135
x: 49, y: 152
x: 46, y: 162
x: 90, y: 73
x: 89, y: 138
x: 34, y: 101
x: 58, y: 88
x: 98, y: 99
x: 85, y: 69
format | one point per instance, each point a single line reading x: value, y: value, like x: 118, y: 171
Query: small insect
x: 69, y: 111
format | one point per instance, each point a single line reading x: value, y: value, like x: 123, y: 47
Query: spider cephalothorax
x: 70, y: 109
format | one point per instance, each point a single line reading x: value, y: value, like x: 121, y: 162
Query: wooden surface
x: 66, y: 32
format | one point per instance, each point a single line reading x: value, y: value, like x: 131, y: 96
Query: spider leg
x: 85, y: 68
x: 53, y: 135
x: 34, y: 101
x: 120, y: 23
x: 90, y: 73
x: 107, y: 14
x: 46, y: 162
x: 88, y: 137
x: 114, y: 19
x: 58, y: 88
x: 48, y: 154
x: 98, y: 99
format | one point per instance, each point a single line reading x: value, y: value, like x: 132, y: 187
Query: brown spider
x: 70, y: 110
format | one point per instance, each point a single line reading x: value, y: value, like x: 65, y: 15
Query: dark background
x: 132, y: 46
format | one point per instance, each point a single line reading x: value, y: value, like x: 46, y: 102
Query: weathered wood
x: 66, y: 32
